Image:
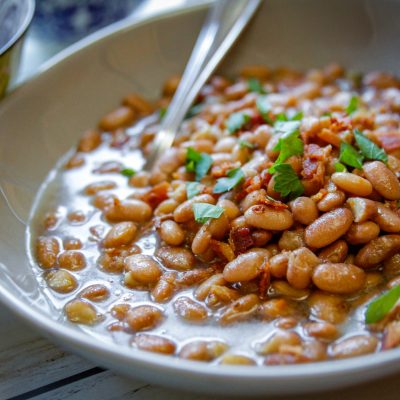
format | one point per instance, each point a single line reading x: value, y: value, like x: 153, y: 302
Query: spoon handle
x: 224, y: 23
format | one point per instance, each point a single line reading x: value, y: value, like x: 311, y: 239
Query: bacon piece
x: 278, y: 205
x: 265, y: 281
x: 240, y: 239
x: 223, y: 249
x: 154, y: 196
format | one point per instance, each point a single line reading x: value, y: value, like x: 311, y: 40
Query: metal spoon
x: 224, y: 23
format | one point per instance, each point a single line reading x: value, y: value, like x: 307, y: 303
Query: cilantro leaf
x: 235, y: 176
x: 204, y: 212
x: 264, y: 109
x: 254, y: 85
x: 339, y: 167
x: 236, y: 121
x: 289, y: 143
x: 287, y: 182
x: 350, y: 156
x: 128, y: 172
x: 193, y: 189
x: 245, y: 144
x: 368, y: 148
x: 353, y: 105
x: 197, y: 162
x: 379, y: 307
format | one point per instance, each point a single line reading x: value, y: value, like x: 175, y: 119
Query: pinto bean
x: 278, y: 308
x: 278, y: 265
x: 184, y: 212
x: 291, y: 240
x: 202, y: 240
x: 155, y: 343
x: 352, y: 183
x: 338, y: 278
x: 128, y: 210
x: 244, y: 267
x: 96, y: 187
x: 354, y: 346
x: 377, y: 251
x: 141, y: 270
x: 336, y: 252
x: 240, y: 310
x: 172, y: 233
x: 203, y: 290
x: 120, y: 234
x: 278, y: 341
x: 166, y: 207
x: 190, y: 310
x: 81, y: 312
x: 362, y: 209
x: 72, y: 243
x: 165, y: 288
x: 144, y: 317
x: 321, y: 330
x: 362, y: 233
x: 382, y: 179
x: 95, y: 293
x: 391, y: 266
x: 47, y: 249
x: 387, y: 219
x: 282, y: 288
x: 138, y: 103
x: 328, y: 307
x: 300, y: 267
x: 61, y: 281
x: 122, y: 116
x: 237, y: 359
x: 203, y: 351
x: 265, y: 217
x: 231, y: 210
x: 304, y: 210
x: 178, y: 258
x: 331, y: 200
x: 221, y: 295
x: 253, y: 198
x: 328, y: 228
x: 89, y: 141
x: 260, y: 237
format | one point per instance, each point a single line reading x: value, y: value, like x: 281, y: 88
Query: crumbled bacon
x: 264, y: 281
x: 254, y: 183
x: 240, y: 239
x: 154, y: 196
x: 278, y: 205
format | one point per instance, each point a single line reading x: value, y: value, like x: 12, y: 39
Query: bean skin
x: 339, y: 278
x: 190, y: 310
x: 300, y: 267
x: 155, y: 343
x: 172, y: 233
x: 382, y: 179
x: 335, y: 252
x: 354, y: 346
x: 321, y: 330
x: 328, y: 307
x: 268, y: 218
x: 304, y: 210
x: 278, y: 340
x: 362, y: 209
x: 278, y: 265
x: 178, y: 258
x: 128, y: 210
x: 331, y: 201
x: 244, y: 267
x: 47, y: 249
x: 89, y: 141
x: 377, y: 251
x: 202, y: 351
x: 120, y: 234
x: 118, y: 118
x: 81, y: 312
x: 362, y: 233
x: 391, y: 266
x: 352, y: 183
x: 143, y: 318
x: 328, y: 228
x: 387, y: 219
x: 240, y: 310
x: 61, y: 281
x: 141, y: 269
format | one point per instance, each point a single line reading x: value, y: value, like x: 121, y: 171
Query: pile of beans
x: 300, y: 264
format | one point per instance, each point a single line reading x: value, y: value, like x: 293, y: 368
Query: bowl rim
x: 78, y: 340
x: 22, y: 29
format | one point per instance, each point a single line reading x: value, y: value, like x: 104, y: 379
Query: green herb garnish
x: 281, y: 117
x: 234, y: 177
x: 350, y: 156
x: 381, y: 306
x: 204, y: 212
x: 287, y: 183
x: 353, y: 105
x: 264, y: 109
x: 368, y: 148
x: 199, y: 163
x: 128, y: 172
x: 339, y: 167
x: 236, y: 121
x: 162, y: 112
x: 246, y: 144
x: 193, y: 189
x: 254, y: 85
x: 194, y: 110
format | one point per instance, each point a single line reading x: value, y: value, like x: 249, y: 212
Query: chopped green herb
x: 194, y: 110
x: 162, y: 112
x: 381, y: 306
x: 128, y: 172
x: 281, y: 117
x: 204, y: 212
x: 197, y: 162
x: 264, y: 109
x: 255, y: 85
x: 235, y: 176
x: 236, y: 121
x: 350, y: 156
x: 193, y: 189
x: 245, y: 144
x: 368, y: 148
x: 339, y: 167
x: 327, y: 114
x: 289, y: 143
x: 297, y: 117
x: 353, y: 105
x: 287, y: 183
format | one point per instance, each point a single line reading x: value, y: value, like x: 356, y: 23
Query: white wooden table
x: 33, y: 368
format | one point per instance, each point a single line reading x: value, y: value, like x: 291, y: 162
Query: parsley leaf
x: 193, y: 189
x: 204, y: 212
x: 368, y: 148
x: 245, y: 144
x: 128, y: 172
x: 350, y: 156
x: 339, y: 167
x: 287, y: 182
x: 378, y: 308
x: 197, y: 162
x: 289, y: 143
x: 254, y: 85
x: 281, y: 117
x: 236, y: 121
x: 264, y: 109
x: 235, y: 176
x: 353, y: 105
x: 297, y: 116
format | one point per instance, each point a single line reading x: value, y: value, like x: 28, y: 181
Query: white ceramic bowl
x: 44, y: 118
